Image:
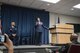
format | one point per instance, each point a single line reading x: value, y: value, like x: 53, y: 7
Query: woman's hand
x: 8, y: 44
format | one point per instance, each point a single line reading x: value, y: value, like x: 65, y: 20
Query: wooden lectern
x: 61, y: 33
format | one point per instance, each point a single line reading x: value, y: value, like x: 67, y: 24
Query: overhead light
x: 77, y: 6
x: 51, y: 1
x: 72, y: 8
x: 48, y: 4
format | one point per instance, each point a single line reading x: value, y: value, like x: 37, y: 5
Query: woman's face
x: 38, y: 19
x: 13, y: 23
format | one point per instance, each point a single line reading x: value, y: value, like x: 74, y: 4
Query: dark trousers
x: 12, y: 39
x: 15, y: 40
x: 38, y: 38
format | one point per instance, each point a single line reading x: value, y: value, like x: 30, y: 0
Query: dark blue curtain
x: 25, y: 21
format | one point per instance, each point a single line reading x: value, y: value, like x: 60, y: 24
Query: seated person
x: 13, y: 33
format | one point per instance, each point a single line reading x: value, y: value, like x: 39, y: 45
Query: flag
x: 58, y: 20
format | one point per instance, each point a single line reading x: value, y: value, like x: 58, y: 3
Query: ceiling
x: 62, y: 7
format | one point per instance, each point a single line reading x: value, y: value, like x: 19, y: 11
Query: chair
x: 17, y: 40
x: 25, y: 40
x: 74, y: 48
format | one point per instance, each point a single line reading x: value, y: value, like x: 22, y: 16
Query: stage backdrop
x: 25, y: 19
